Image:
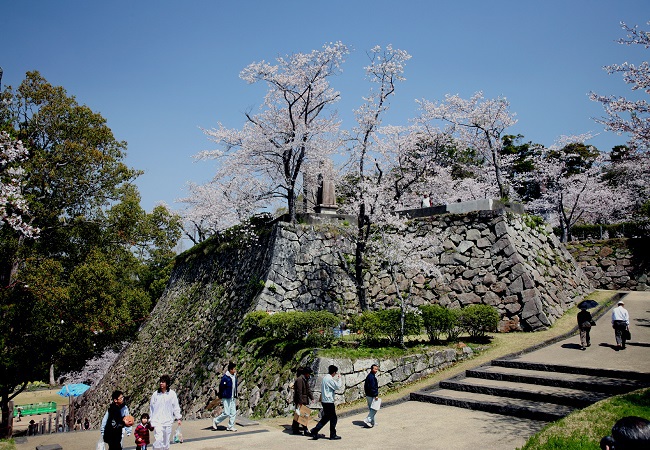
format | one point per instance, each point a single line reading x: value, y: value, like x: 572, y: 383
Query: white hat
x: 621, y: 302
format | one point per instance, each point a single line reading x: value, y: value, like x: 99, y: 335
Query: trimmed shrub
x: 386, y: 323
x: 315, y: 327
x: 368, y: 325
x: 251, y: 328
x: 456, y: 327
x: 477, y: 320
x: 437, y: 320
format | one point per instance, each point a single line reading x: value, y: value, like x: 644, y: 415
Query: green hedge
x: 437, y: 320
x: 475, y: 320
x: 614, y: 230
x: 386, y: 324
x: 314, y: 327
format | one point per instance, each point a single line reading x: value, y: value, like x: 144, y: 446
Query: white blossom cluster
x: 13, y: 206
x: 626, y: 115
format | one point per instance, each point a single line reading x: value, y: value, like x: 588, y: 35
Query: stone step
x: 608, y: 385
x: 549, y: 394
x: 527, y: 409
x: 598, y: 372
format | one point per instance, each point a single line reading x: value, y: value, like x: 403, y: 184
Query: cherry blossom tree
x: 294, y: 126
x: 400, y: 253
x: 386, y: 68
x: 571, y: 193
x: 13, y: 206
x: 216, y: 206
x: 477, y: 123
x: 625, y: 115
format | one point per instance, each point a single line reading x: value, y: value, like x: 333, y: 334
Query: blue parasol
x: 73, y: 390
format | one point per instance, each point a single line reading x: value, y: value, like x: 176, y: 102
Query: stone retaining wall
x: 615, y: 264
x: 489, y: 257
x: 393, y: 372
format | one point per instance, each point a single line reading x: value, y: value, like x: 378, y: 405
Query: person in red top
x: 142, y: 432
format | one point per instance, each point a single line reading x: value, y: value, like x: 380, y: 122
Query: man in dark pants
x: 620, y: 323
x: 115, y: 422
x: 584, y: 325
x: 302, y: 395
x: 329, y: 387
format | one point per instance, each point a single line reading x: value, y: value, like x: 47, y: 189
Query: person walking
x: 620, y: 323
x: 141, y: 432
x: 330, y: 385
x: 302, y: 395
x: 585, y: 321
x: 228, y: 395
x: 371, y: 388
x: 112, y: 431
x: 163, y: 410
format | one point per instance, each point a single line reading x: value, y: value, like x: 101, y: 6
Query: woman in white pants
x: 163, y: 410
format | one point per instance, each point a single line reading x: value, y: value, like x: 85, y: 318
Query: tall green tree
x: 99, y: 261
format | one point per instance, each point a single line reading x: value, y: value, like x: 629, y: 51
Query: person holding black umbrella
x: 585, y: 321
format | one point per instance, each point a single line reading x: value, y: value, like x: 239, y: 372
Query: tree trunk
x: 52, y: 381
x: 5, y: 427
x: 358, y: 274
x: 291, y: 203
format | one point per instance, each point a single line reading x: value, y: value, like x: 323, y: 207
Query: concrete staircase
x: 537, y: 391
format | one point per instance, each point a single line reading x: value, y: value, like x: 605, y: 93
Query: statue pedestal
x: 326, y: 209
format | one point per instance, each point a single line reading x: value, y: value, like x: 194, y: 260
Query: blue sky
x: 158, y: 71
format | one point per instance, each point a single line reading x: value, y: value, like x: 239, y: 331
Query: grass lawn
x: 583, y: 429
x: 7, y: 444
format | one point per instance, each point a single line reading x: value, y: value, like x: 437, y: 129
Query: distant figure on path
x: 371, y: 388
x: 302, y: 395
x: 585, y: 322
x: 426, y: 201
x: 228, y: 395
x: 328, y: 389
x: 163, y: 410
x: 620, y: 323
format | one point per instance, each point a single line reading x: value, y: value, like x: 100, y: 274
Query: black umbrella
x: 587, y: 304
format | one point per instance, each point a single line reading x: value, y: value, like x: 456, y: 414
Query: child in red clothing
x: 142, y: 432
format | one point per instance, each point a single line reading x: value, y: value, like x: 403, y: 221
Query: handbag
x: 626, y: 334
x: 376, y: 404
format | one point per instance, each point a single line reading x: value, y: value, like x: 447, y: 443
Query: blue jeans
x: 371, y: 412
x: 229, y: 410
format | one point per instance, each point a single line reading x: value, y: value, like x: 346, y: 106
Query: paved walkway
x: 415, y: 424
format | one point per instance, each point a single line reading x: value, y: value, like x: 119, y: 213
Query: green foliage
x: 477, y: 320
x: 437, y: 320
x: 100, y: 262
x: 312, y: 327
x: 533, y: 221
x: 584, y: 428
x: 386, y: 323
x: 456, y: 326
x: 614, y: 230
x: 250, y: 326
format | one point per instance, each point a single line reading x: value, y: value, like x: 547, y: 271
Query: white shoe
x: 231, y: 429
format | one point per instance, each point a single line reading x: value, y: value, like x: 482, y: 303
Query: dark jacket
x: 114, y: 424
x: 302, y: 391
x: 226, y: 388
x: 371, y: 386
x: 584, y: 319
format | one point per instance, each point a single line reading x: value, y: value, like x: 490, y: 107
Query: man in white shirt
x: 620, y: 323
x: 163, y: 409
x: 330, y: 385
